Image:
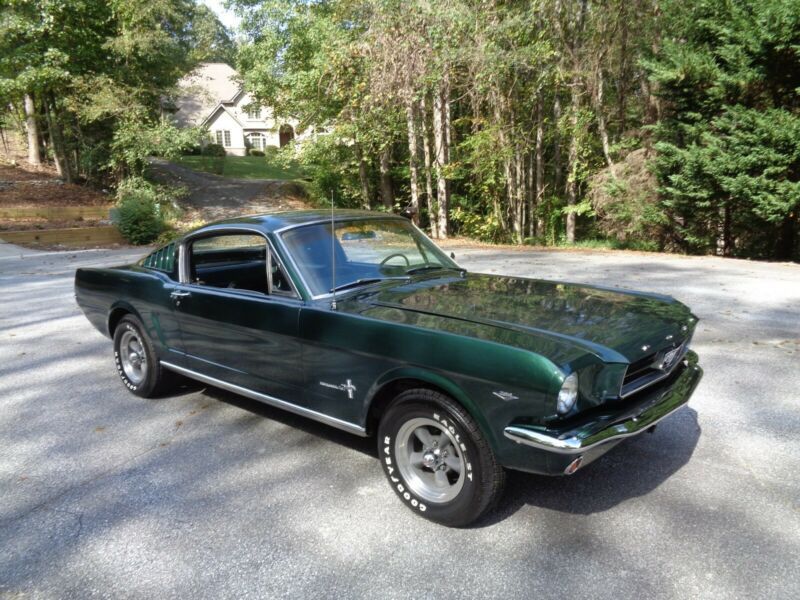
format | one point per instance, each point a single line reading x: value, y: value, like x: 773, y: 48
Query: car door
x: 238, y: 314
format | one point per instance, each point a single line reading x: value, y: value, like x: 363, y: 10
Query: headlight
x: 568, y: 394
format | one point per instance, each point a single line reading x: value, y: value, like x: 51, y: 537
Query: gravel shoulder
x: 209, y: 495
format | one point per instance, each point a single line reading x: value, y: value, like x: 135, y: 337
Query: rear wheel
x: 136, y: 360
x: 437, y: 460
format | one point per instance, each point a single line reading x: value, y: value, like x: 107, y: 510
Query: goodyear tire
x: 437, y: 460
x: 136, y: 360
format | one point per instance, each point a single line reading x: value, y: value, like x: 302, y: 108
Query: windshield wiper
x: 424, y: 268
x: 433, y: 268
x: 365, y: 281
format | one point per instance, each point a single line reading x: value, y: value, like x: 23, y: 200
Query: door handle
x: 180, y: 294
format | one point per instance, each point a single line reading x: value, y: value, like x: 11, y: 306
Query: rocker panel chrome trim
x: 272, y: 401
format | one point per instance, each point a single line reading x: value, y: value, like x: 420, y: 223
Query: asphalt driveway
x: 203, y: 494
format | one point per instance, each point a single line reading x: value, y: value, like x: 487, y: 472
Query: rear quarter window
x: 164, y: 259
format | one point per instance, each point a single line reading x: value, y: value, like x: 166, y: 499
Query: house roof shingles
x: 204, y: 89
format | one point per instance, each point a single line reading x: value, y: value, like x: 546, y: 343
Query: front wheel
x: 437, y: 460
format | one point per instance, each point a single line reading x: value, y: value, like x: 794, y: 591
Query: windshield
x: 366, y: 250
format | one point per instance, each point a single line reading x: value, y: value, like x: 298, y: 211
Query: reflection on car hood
x: 606, y: 322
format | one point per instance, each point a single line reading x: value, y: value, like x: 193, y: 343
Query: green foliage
x: 255, y: 152
x: 627, y: 204
x: 98, y: 71
x: 144, y: 210
x: 271, y: 152
x: 213, y: 150
x: 211, y: 41
x: 477, y: 226
x: 138, y: 215
x: 243, y: 167
x: 332, y: 171
x: 135, y: 140
x: 729, y: 151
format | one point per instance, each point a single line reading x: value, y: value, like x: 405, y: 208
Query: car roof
x: 273, y: 222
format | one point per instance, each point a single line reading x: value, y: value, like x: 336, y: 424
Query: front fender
x: 438, y: 380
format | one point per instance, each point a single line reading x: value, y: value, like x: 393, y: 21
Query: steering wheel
x: 396, y: 254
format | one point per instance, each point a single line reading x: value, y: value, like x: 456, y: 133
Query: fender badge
x: 505, y: 396
x: 342, y: 387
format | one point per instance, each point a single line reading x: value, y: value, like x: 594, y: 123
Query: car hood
x: 544, y: 316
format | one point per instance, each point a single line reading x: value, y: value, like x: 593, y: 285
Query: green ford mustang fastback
x: 359, y: 321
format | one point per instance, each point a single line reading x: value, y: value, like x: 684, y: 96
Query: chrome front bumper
x: 581, y: 439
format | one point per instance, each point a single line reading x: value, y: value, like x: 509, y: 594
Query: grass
x: 241, y: 167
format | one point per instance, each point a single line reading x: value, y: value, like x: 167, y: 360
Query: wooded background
x: 651, y: 124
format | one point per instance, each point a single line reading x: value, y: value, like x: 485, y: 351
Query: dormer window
x: 254, y: 112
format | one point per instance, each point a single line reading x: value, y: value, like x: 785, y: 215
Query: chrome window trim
x: 267, y: 399
x: 183, y: 257
x: 339, y: 219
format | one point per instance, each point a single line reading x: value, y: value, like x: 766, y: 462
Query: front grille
x: 652, y: 368
x: 639, y: 368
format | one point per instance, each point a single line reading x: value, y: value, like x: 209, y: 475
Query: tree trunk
x: 601, y: 122
x: 572, y: 163
x: 412, y: 113
x: 426, y: 149
x: 363, y: 177
x: 502, y: 213
x: 519, y: 195
x: 54, y: 142
x: 652, y: 103
x: 787, y: 239
x: 387, y: 192
x: 724, y: 236
x: 539, y: 190
x: 557, y: 166
x: 622, y: 78
x: 32, y: 127
x: 440, y: 101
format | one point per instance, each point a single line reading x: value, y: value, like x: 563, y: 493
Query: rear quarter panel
x: 140, y: 291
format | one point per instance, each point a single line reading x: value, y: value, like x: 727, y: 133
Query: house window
x: 254, y: 112
x: 224, y: 137
x: 257, y: 140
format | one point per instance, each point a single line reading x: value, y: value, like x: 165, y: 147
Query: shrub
x: 255, y: 152
x: 271, y: 151
x: 138, y: 220
x: 142, y: 209
x: 213, y: 150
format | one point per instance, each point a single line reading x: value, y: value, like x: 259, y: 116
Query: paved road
x: 206, y: 495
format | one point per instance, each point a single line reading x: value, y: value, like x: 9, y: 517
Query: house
x: 211, y: 97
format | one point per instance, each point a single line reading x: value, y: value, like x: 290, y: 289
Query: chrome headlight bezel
x: 568, y: 394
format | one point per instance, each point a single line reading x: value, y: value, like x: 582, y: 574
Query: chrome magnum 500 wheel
x: 136, y: 359
x: 436, y: 459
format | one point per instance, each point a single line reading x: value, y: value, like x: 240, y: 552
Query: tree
x: 83, y: 69
x: 728, y: 161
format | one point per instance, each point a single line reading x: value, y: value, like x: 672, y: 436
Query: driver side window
x: 236, y: 261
